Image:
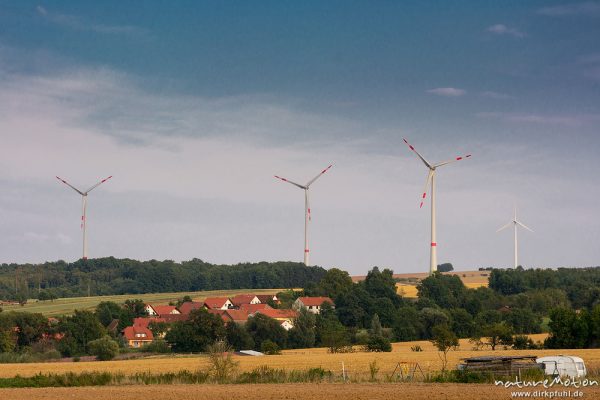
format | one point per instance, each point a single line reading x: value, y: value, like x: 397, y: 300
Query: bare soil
x: 413, y: 391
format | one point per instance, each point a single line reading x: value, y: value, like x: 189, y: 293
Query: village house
x: 136, y: 336
x: 160, y: 310
x: 252, y: 308
x: 188, y: 306
x: 312, y: 304
x: 245, y: 299
x: 284, y: 317
x: 265, y: 298
x: 218, y: 303
x: 237, y: 316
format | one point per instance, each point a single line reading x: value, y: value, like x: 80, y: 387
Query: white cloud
x: 500, y: 29
x: 447, y: 92
x: 79, y: 24
x: 588, y: 8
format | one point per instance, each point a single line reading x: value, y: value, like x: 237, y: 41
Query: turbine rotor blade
x: 505, y: 226
x: 318, y: 176
x: 523, y: 225
x: 451, y: 161
x: 288, y: 181
x: 429, y: 176
x: 417, y: 153
x: 97, y: 184
x: 69, y: 185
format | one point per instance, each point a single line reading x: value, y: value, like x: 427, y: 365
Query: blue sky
x: 193, y: 106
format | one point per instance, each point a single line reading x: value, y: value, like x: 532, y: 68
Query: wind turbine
x: 307, y: 217
x: 514, y: 223
x: 84, y: 206
x: 431, y: 178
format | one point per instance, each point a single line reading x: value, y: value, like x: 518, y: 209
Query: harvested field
x: 414, y: 391
x: 356, y: 363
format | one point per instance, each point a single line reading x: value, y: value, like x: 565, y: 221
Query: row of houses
x: 231, y: 310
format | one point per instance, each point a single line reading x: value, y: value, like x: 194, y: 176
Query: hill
x: 111, y: 276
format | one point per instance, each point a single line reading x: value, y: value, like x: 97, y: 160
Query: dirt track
x: 414, y: 391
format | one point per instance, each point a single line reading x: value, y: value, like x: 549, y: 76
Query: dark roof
x: 497, y: 358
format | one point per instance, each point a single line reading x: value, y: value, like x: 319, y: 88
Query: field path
x: 414, y: 391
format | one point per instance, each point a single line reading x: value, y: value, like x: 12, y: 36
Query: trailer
x: 562, y: 365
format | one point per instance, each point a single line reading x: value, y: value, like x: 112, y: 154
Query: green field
x: 68, y: 305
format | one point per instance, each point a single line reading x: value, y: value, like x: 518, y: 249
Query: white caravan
x: 567, y: 366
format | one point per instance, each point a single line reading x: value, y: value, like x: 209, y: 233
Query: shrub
x: 523, y: 342
x: 104, y: 348
x: 157, y: 346
x: 378, y: 343
x: 270, y: 348
x: 222, y: 365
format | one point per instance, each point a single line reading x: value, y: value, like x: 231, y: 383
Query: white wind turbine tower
x: 514, y: 223
x: 431, y: 178
x: 307, y: 217
x: 84, y: 206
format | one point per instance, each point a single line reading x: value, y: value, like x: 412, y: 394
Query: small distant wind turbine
x: 307, y: 217
x: 431, y: 178
x: 514, y: 223
x: 84, y: 206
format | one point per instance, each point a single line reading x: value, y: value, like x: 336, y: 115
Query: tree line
x: 111, y: 276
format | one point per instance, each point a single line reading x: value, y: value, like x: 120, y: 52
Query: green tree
x: 238, y: 337
x: 445, y: 267
x: 195, y: 334
x: 79, y: 329
x: 302, y: 335
x: 263, y: 328
x: 497, y: 334
x: 335, y: 283
x: 104, y: 348
x: 444, y: 340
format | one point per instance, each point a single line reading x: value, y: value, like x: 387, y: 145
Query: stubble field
x: 356, y: 364
x: 413, y: 391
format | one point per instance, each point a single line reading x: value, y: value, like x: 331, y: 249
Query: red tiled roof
x: 131, y: 331
x: 188, y: 306
x: 252, y: 308
x: 215, y: 302
x: 170, y: 318
x: 242, y: 299
x: 238, y: 315
x: 161, y: 310
x: 278, y: 314
x: 266, y: 297
x: 314, y: 301
x: 144, y: 322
